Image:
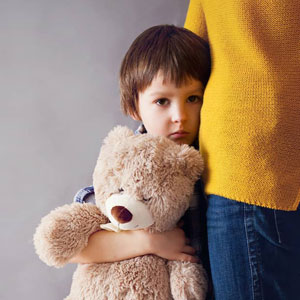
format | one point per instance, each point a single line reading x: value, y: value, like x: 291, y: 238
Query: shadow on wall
x: 59, y: 97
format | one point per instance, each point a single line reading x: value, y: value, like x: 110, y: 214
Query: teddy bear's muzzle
x: 126, y: 212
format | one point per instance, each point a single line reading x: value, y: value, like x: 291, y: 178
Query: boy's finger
x: 189, y: 250
x: 188, y: 258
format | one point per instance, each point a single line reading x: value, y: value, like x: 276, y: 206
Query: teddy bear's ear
x: 118, y: 134
x: 190, y: 161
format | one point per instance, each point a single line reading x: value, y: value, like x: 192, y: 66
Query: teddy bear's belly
x: 141, y: 278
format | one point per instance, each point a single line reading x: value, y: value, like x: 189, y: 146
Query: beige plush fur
x: 153, y: 170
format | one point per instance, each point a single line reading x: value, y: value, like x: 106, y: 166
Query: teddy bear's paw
x: 194, y: 293
x: 189, y: 292
x: 188, y: 281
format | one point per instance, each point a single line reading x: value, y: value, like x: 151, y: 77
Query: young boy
x: 162, y: 79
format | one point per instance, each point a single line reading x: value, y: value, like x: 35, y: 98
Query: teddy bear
x: 141, y: 182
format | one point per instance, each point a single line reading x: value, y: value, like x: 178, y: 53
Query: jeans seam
x: 249, y: 256
x: 277, y: 229
x: 253, y: 258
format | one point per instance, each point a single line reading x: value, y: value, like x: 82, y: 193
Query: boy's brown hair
x: 177, y: 52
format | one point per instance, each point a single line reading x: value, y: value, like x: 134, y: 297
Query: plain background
x: 59, y: 96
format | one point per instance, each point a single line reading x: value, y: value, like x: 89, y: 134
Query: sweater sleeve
x: 195, y: 19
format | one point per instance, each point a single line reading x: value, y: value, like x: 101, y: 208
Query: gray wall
x: 59, y: 63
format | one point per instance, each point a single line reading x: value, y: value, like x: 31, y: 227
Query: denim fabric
x: 254, y: 251
x: 195, y: 223
x: 84, y: 195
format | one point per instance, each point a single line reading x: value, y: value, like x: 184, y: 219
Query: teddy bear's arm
x: 188, y: 281
x: 64, y: 232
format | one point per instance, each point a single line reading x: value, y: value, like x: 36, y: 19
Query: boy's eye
x: 121, y: 190
x: 193, y: 99
x: 162, y: 101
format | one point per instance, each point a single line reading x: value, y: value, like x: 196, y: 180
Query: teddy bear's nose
x: 121, y: 214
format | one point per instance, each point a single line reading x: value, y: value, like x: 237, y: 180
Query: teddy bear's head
x: 142, y: 181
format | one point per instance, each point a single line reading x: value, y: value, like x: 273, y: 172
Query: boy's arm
x: 106, y: 246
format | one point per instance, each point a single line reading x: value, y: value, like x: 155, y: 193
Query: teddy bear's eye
x: 147, y: 199
x: 121, y: 190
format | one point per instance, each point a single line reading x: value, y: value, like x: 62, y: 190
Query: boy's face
x: 170, y: 111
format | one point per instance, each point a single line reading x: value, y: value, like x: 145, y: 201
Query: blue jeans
x: 254, y: 251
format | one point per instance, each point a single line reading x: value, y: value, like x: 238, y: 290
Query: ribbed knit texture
x: 250, y: 120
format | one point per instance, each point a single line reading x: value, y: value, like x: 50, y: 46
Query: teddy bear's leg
x: 188, y: 280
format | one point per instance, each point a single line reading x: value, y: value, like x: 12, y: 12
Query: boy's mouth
x: 179, y: 134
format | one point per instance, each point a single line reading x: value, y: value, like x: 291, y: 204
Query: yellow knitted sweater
x: 250, y: 119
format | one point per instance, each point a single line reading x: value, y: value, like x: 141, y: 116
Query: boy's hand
x: 172, y: 245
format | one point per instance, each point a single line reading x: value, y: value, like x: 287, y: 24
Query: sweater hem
x: 276, y: 206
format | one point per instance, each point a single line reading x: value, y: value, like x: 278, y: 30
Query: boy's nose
x: 179, y: 114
